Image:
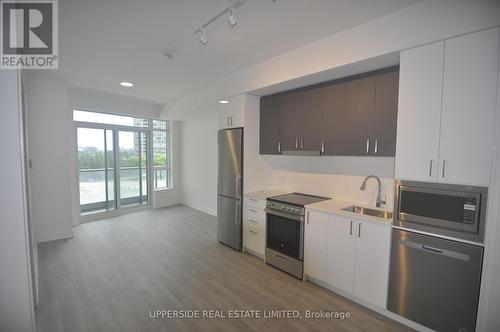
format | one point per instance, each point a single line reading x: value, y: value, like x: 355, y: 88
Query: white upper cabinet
x: 316, y: 244
x: 371, y: 273
x: 232, y: 114
x: 446, y: 112
x: 469, y: 99
x: 419, y: 112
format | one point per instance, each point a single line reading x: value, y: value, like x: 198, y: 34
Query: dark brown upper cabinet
x: 334, y: 121
x: 360, y: 109
x: 291, y: 117
x: 386, y: 114
x: 300, y: 120
x: 348, y: 117
x: 270, y: 117
x: 310, y: 105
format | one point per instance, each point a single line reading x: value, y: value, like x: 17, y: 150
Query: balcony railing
x: 93, y: 187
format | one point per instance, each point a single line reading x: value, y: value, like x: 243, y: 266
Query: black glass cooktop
x: 298, y: 199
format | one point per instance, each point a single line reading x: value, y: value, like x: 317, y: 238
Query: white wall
x: 422, y: 23
x: 338, y: 177
x: 16, y: 300
x: 199, y: 163
x: 489, y: 320
x: 50, y: 140
x: 257, y: 172
x: 103, y: 101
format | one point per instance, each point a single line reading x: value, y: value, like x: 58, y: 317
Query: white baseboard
x: 166, y: 204
x: 54, y: 236
x: 197, y: 207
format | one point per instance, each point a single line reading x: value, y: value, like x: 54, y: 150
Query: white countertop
x: 263, y: 194
x: 336, y: 205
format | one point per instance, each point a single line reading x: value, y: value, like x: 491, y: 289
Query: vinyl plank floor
x: 114, y: 271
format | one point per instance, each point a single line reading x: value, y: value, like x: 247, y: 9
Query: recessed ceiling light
x: 223, y: 102
x: 127, y: 84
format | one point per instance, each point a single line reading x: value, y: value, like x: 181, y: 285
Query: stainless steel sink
x: 368, y: 212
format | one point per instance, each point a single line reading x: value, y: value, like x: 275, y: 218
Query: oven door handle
x: 284, y: 215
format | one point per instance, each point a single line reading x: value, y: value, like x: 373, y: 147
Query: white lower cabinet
x: 341, y: 252
x: 371, y: 268
x: 254, y: 226
x: 254, y: 239
x: 316, y: 235
x: 349, y: 254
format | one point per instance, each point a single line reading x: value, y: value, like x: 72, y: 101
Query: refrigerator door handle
x: 238, y: 186
x: 238, y: 213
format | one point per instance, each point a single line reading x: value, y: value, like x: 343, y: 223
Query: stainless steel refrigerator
x: 229, y: 188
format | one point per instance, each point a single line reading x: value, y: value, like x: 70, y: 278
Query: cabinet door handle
x: 254, y: 221
x: 279, y: 146
x: 375, y: 149
x: 227, y: 121
x: 359, y: 230
x: 231, y: 121
x: 297, y: 142
x: 253, y: 232
x: 253, y: 199
x: 301, y: 142
x: 444, y: 168
x: 252, y: 210
x: 350, y: 229
x: 367, y: 145
x: 430, y: 168
x: 322, y: 147
x: 308, y: 217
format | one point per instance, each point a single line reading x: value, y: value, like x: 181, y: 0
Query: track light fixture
x: 203, y: 37
x: 231, y: 20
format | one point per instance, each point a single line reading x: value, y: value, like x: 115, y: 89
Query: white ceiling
x: 103, y: 42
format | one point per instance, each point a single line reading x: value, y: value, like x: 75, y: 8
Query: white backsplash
x: 339, y: 177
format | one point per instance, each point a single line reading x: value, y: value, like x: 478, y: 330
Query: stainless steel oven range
x: 285, y: 231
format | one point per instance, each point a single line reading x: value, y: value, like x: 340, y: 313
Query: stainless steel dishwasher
x: 434, y: 281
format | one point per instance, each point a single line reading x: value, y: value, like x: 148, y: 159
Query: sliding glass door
x: 133, y: 168
x: 96, y: 170
x: 112, y: 163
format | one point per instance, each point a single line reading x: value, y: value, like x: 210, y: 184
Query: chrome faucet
x: 379, y: 195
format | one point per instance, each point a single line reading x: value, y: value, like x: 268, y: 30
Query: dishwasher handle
x: 434, y: 250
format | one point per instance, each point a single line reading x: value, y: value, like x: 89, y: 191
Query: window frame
x: 149, y: 128
x: 168, y: 154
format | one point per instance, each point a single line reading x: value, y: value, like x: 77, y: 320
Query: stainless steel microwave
x: 443, y: 209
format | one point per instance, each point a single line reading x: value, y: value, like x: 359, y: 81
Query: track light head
x: 203, y: 37
x: 231, y: 20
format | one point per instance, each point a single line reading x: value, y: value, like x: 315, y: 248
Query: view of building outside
x: 96, y: 160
